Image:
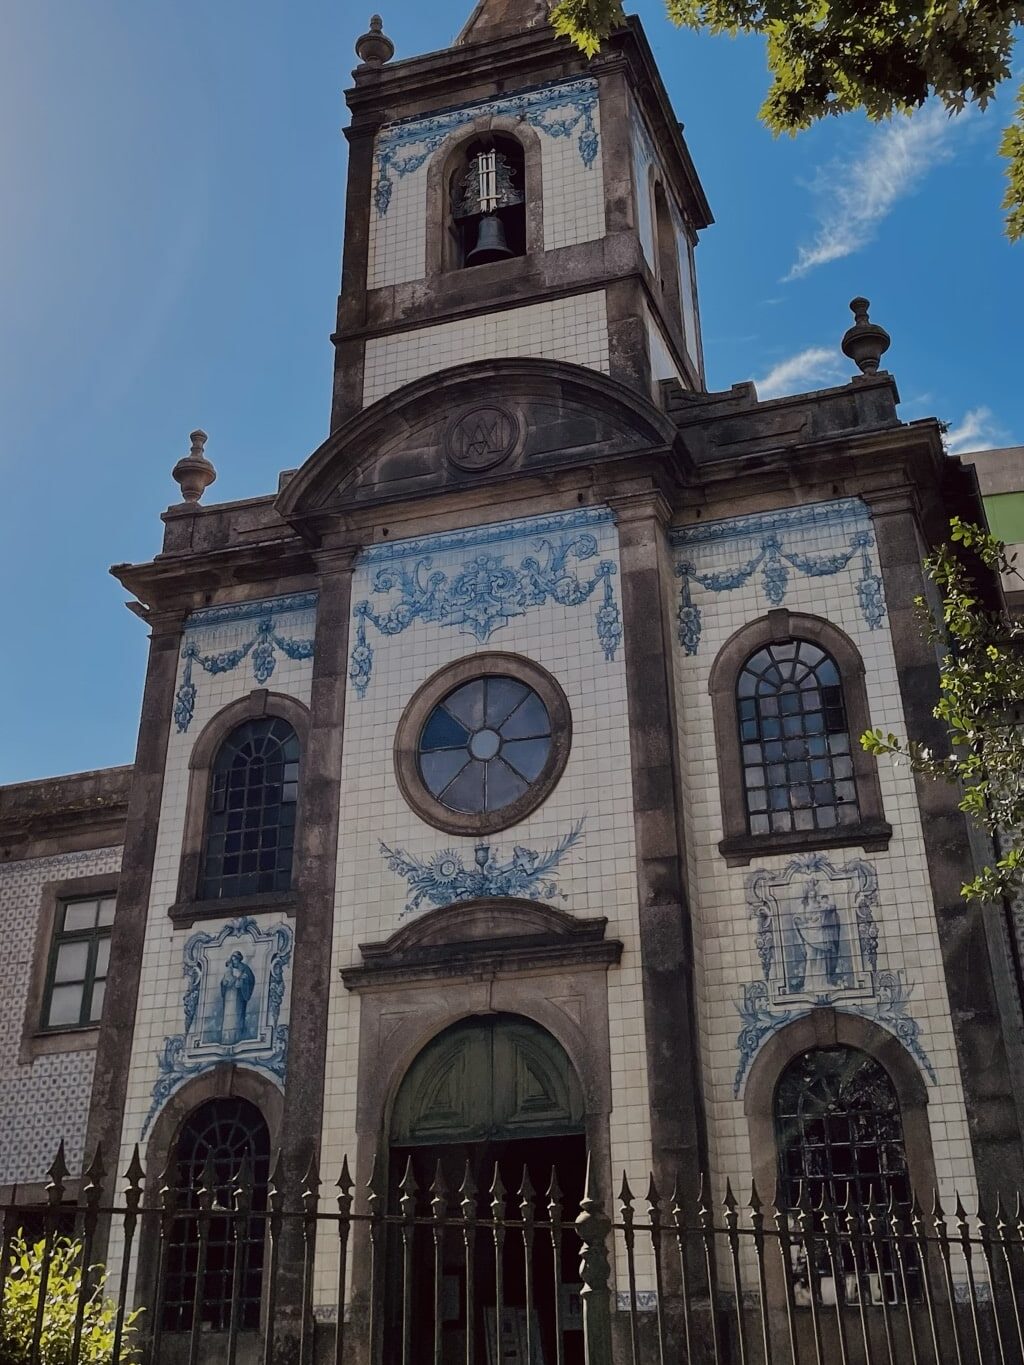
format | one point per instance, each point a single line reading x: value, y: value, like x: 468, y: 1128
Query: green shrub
x: 21, y: 1297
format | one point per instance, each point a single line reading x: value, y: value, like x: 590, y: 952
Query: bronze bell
x: 490, y: 242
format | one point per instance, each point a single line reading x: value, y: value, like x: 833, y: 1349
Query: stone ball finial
x: 375, y: 48
x: 194, y: 473
x: 865, y: 342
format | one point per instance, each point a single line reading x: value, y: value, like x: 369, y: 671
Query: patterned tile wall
x: 567, y: 120
x: 48, y: 1098
x: 574, y: 329
x: 819, y: 559
x: 515, y: 586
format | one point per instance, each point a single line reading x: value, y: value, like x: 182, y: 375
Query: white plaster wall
x: 597, y: 877
x: 662, y: 364
x: 727, y: 958
x: 565, y: 116
x: 47, y: 1099
x: 574, y: 329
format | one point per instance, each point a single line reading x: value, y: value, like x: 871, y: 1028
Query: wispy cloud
x: 977, y: 430
x: 815, y: 365
x: 855, y: 195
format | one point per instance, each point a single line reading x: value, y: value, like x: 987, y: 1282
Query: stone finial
x: 375, y: 48
x: 865, y: 342
x: 194, y: 473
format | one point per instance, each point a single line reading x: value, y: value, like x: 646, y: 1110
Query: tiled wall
x: 567, y: 121
x: 226, y: 653
x: 491, y: 597
x: 45, y: 1099
x: 573, y: 329
x: 819, y: 559
x: 662, y: 364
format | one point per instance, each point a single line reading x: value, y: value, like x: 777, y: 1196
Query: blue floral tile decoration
x: 555, y: 110
x: 235, y: 987
x: 250, y: 630
x: 479, y: 592
x: 769, y: 544
x: 816, y: 936
x: 446, y: 878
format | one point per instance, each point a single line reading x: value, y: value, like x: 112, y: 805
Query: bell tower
x: 508, y: 197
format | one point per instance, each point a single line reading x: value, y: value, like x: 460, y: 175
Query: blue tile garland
x: 817, y: 939
x: 262, y: 642
x: 485, y: 591
x: 775, y: 555
x: 444, y: 878
x: 232, y: 1006
x: 557, y: 110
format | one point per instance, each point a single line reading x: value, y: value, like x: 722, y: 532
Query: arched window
x: 488, y: 201
x: 214, y: 1141
x: 839, y: 1134
x: 796, y: 748
x: 250, y: 817
x: 668, y: 254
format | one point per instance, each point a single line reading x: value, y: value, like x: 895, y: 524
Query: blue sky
x: 173, y: 191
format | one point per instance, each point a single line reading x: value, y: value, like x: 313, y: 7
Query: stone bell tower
x: 508, y: 197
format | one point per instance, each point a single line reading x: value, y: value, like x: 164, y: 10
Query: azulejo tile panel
x: 445, y: 878
x: 819, y: 540
x: 232, y: 1006
x: 220, y: 639
x: 816, y: 936
x: 555, y: 110
x: 476, y: 581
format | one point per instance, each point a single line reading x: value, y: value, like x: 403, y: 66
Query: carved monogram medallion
x: 482, y: 437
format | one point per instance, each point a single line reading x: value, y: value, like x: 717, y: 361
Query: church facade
x: 498, y: 793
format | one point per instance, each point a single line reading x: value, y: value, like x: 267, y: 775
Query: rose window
x: 485, y: 744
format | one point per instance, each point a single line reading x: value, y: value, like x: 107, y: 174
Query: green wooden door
x: 488, y: 1078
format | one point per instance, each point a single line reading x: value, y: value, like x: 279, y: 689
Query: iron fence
x: 237, y: 1270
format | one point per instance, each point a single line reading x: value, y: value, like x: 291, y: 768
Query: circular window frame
x: 438, y: 686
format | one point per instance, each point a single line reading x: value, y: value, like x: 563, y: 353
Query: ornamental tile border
x: 209, y: 1038
x: 444, y: 879
x: 54, y: 861
x: 484, y: 593
x: 262, y: 644
x: 823, y: 952
x: 773, y: 557
x: 419, y: 137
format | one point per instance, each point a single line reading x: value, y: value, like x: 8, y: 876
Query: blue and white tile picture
x: 221, y: 639
x: 819, y: 540
x: 231, y: 1006
x: 558, y: 111
x: 477, y: 580
x: 817, y: 938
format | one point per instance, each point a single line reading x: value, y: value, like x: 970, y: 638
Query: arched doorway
x: 493, y: 1093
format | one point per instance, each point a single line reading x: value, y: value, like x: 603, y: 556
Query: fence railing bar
x: 628, y: 1238
x: 830, y: 1238
x: 54, y: 1195
x: 311, y: 1183
x: 901, y: 1241
x: 92, y: 1193
x: 754, y: 1208
x: 273, y: 1225
x: 344, y: 1188
x: 204, y: 1196
x: 706, y: 1223
x: 731, y: 1207
x: 785, y: 1245
x: 438, y: 1208
x: 407, y: 1203
x: 374, y: 1205
x: 592, y: 1228
x: 526, y: 1197
x: 468, y: 1193
x: 555, y: 1227
x: 167, y: 1199
x: 239, y: 1229
x: 942, y: 1241
x: 805, y: 1222
x: 654, y: 1219
x: 855, y: 1238
x: 988, y: 1256
x: 498, y: 1234
x: 967, y: 1256
x: 1002, y: 1228
x: 876, y: 1234
x: 678, y: 1214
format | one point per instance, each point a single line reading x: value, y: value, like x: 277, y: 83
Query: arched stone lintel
x: 483, y: 920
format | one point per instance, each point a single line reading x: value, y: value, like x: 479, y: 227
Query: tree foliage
x: 981, y: 704
x: 835, y: 56
x: 64, y: 1280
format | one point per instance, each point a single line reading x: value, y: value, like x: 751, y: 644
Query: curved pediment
x: 474, y: 423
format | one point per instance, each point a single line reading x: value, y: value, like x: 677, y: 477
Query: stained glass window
x: 485, y: 744
x: 250, y: 825
x: 840, y: 1143
x: 795, y: 741
x: 225, y: 1131
x: 77, y: 976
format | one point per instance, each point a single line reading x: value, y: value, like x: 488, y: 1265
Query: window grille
x: 795, y: 740
x: 839, y: 1133
x: 250, y: 827
x: 225, y: 1131
x: 77, y: 974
